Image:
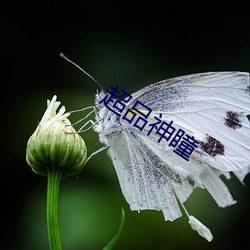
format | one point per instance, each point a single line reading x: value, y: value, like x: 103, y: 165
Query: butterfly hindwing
x: 145, y: 180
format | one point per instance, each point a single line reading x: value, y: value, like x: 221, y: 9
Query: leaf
x: 117, y: 234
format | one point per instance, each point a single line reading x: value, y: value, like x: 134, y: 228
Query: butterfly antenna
x: 68, y: 60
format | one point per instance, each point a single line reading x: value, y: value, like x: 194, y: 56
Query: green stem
x: 54, y: 177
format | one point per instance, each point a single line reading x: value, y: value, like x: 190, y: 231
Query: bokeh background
x: 125, y: 43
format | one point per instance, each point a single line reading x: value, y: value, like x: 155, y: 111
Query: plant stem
x: 54, y: 177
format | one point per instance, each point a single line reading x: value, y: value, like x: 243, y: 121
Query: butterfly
x: 212, y: 108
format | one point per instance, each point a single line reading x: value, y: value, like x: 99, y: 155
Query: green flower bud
x: 55, y: 144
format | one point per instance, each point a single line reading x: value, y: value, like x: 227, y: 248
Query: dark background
x: 125, y: 43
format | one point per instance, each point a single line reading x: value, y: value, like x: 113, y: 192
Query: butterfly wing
x: 138, y: 170
x: 213, y: 107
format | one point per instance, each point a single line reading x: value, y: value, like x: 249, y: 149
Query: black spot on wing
x: 248, y: 89
x: 191, y: 181
x: 212, y: 146
x: 233, y: 119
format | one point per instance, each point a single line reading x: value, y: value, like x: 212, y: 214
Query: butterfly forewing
x: 212, y: 107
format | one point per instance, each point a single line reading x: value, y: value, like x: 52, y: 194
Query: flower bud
x: 55, y: 144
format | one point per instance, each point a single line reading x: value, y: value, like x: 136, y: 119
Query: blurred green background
x: 119, y: 43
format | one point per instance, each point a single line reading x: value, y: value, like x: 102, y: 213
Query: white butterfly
x: 213, y: 107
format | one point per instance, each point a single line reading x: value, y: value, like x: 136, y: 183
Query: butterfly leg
x: 86, y: 116
x: 81, y: 129
x: 91, y: 155
x: 96, y: 152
